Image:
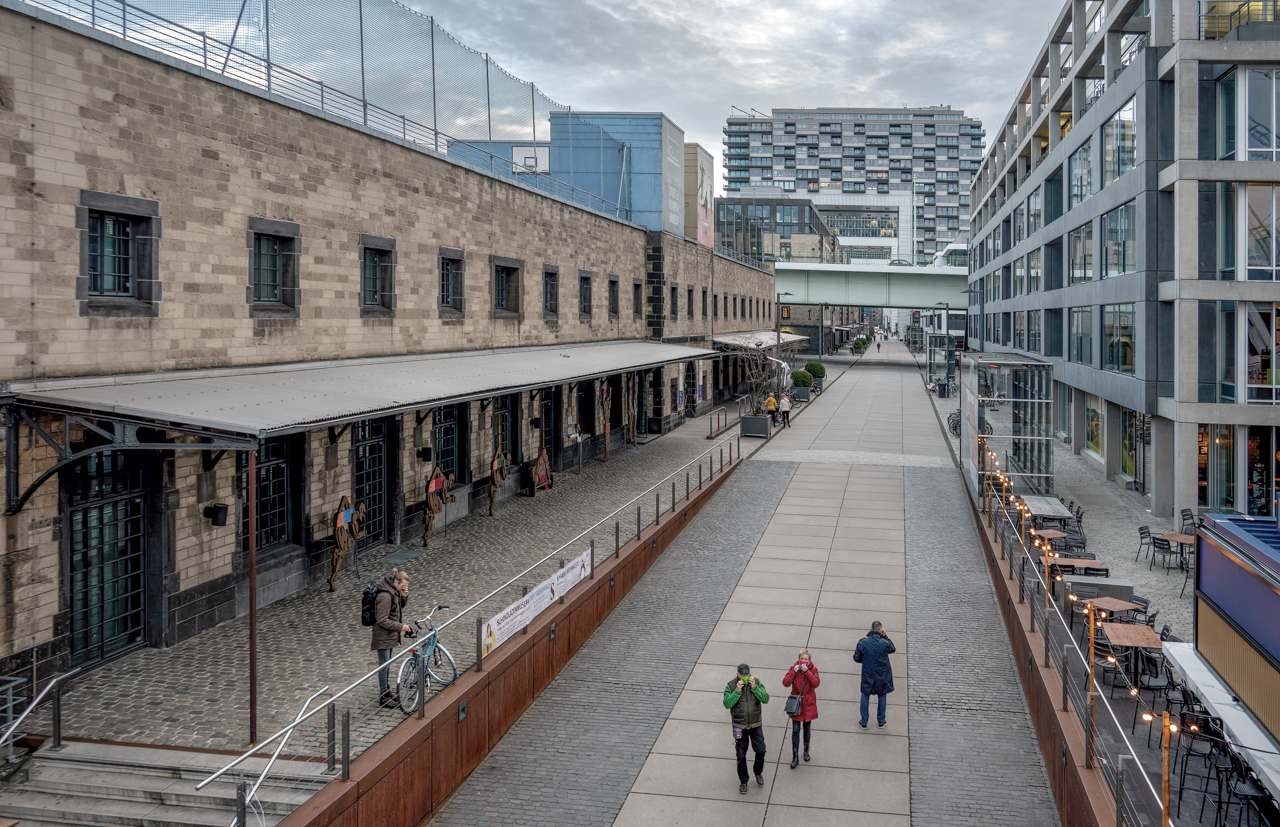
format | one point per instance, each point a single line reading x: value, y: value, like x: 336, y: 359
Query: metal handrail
x: 408, y: 649
x: 1042, y: 577
x: 35, y: 702
x: 711, y: 421
x: 235, y: 822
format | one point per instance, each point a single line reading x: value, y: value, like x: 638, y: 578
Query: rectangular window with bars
x: 451, y: 270
x: 111, y: 255
x: 445, y: 439
x: 502, y: 424
x: 375, y: 277
x: 613, y: 298
x: 584, y: 296
x: 273, y: 504
x: 505, y: 284
x: 267, y: 263
x: 551, y: 291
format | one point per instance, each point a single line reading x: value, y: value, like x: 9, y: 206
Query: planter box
x: 754, y: 426
x: 800, y: 394
x: 817, y: 384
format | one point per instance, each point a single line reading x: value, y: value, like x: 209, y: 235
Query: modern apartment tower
x: 871, y: 172
x: 1124, y: 231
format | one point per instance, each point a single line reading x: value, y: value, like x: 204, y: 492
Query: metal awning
x: 280, y: 399
x: 756, y: 339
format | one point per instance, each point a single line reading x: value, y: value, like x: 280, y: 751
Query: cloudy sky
x: 693, y: 60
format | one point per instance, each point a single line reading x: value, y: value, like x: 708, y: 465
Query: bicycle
x: 439, y: 664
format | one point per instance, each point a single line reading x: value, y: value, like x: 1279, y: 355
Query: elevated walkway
x: 871, y: 285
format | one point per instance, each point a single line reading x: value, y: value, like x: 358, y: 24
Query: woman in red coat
x: 803, y: 678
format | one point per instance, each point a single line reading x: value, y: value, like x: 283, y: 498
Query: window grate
x: 111, y: 255
x: 369, y: 439
x: 376, y: 274
x: 266, y: 268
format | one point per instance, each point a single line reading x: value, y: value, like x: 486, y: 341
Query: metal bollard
x: 422, y: 685
x: 1066, y: 673
x: 331, y: 747
x: 346, y: 745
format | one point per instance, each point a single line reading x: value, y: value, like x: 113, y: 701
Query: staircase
x: 104, y: 785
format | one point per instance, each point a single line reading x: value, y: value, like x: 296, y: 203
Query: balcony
x: 1251, y: 20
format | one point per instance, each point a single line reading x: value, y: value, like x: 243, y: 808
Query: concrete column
x: 1186, y: 467
x: 1186, y: 91
x: 1111, y: 58
x: 1164, y: 467
x: 1186, y: 321
x: 1079, y: 20
x: 1112, y: 438
x: 1078, y: 93
x: 1055, y: 69
x: 1037, y: 91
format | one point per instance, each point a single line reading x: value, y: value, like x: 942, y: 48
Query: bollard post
x: 331, y: 733
x: 57, y: 718
x: 479, y: 643
x: 617, y: 538
x: 1066, y: 672
x: 422, y: 685
x: 346, y: 745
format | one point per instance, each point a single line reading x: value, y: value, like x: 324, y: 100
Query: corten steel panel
x: 334, y: 805
x: 540, y: 658
x: 403, y: 795
x: 446, y: 770
x: 1250, y: 676
x: 473, y: 733
x: 510, y: 694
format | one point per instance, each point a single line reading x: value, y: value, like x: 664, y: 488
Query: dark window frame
x: 584, y: 281
x: 454, y: 261
x: 704, y: 304
x: 614, y: 301
x: 385, y: 249
x: 506, y: 276
x: 637, y: 298
x: 144, y: 223
x: 288, y: 234
x: 550, y: 292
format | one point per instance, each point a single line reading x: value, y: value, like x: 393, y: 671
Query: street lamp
x: 777, y: 326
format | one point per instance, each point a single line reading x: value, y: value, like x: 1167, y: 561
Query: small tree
x: 802, y: 378
x: 816, y: 369
x: 760, y: 374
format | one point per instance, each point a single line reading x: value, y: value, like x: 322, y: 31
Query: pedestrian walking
x: 743, y: 697
x: 877, y: 347
x: 388, y: 606
x: 877, y: 674
x: 784, y: 408
x: 803, y: 679
x: 771, y: 405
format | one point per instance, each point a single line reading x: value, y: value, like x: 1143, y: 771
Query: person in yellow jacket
x: 771, y: 405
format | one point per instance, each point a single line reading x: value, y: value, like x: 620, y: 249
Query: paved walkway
x: 853, y: 515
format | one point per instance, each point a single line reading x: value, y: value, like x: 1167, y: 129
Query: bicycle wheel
x: 441, y: 666
x: 407, y: 685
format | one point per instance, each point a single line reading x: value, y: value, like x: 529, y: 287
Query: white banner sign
x: 519, y: 614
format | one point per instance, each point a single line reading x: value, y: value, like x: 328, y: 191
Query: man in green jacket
x: 743, y: 696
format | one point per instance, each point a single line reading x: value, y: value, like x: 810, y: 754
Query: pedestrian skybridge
x: 871, y: 285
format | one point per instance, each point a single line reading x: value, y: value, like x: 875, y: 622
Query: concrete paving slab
x: 863, y: 585
x: 736, y: 631
x: 788, y: 552
x: 853, y: 751
x: 790, y: 540
x: 803, y: 519
x: 778, y: 564
x: 698, y: 705
x: 859, y: 620
x: 874, y: 575
x: 757, y: 613
x: 717, y: 778
x: 851, y: 562
x: 801, y: 530
x: 712, y: 677
x: 757, y: 655
x: 864, y: 544
x: 872, y: 602
x: 843, y: 789
x: 710, y: 739
x: 775, y: 597
x: 645, y: 810
x: 781, y: 580
x: 788, y: 816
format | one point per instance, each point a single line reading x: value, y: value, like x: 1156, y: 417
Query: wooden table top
x: 1047, y: 507
x: 1115, y: 604
x: 1048, y: 533
x: 1131, y: 634
x: 1184, y: 539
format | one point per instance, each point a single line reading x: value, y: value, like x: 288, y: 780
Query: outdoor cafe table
x: 1049, y: 534
x: 1049, y: 508
x: 1106, y: 586
x: 1114, y: 605
x: 1238, y: 723
x: 1181, y: 540
x: 1132, y: 635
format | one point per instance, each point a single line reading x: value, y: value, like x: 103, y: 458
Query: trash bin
x: 942, y: 390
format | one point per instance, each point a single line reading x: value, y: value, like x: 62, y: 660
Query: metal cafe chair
x: 1162, y: 547
x: 1144, y: 541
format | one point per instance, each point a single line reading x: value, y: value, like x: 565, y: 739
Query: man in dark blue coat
x: 877, y: 675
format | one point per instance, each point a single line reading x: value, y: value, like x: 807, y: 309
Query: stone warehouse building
x: 198, y: 275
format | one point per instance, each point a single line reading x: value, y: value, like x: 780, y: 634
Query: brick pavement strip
x: 573, y: 756
x: 974, y: 755
x: 195, y: 694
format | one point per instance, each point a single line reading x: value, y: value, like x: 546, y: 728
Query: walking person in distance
x: 771, y: 406
x: 744, y: 696
x: 784, y: 408
x: 803, y: 679
x: 388, y: 607
x: 877, y: 674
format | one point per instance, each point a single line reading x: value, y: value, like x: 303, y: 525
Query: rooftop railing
x: 1223, y: 21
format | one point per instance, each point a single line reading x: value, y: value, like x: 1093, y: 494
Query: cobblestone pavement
x: 572, y: 757
x: 195, y: 694
x: 956, y: 633
x: 1112, y: 516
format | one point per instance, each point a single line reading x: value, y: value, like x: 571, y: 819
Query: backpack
x: 367, y: 600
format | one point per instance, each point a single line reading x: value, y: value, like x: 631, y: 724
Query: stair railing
x: 55, y: 686
x: 247, y: 800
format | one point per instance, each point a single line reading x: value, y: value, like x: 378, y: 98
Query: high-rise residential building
x: 892, y: 183
x: 1124, y: 231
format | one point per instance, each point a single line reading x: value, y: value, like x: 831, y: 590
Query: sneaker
x: 742, y: 788
x: 861, y: 724
x: 390, y: 701
x: 881, y: 724
x: 760, y: 780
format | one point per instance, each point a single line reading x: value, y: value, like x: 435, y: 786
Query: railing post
x: 524, y: 590
x: 1066, y: 671
x: 1120, y: 767
x: 1022, y: 584
x: 562, y: 596
x: 1088, y: 737
x: 422, y: 685
x: 673, y: 496
x: 722, y: 459
x: 331, y: 740
x: 346, y: 745
x: 57, y: 717
x: 637, y: 523
x: 479, y: 643
x: 241, y: 803
x: 699, y: 475
x: 1033, y: 618
x: 687, y: 489
x: 617, y: 538
x: 593, y: 561
x: 657, y: 507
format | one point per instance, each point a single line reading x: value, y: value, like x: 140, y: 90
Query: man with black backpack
x: 388, y: 598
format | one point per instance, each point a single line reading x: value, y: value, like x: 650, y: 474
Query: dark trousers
x: 756, y: 737
x: 863, y: 708
x: 384, y: 674
x: 795, y: 736
x: 786, y: 419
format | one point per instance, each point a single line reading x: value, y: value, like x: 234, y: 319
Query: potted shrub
x: 801, y: 381
x: 859, y: 344
x: 755, y: 421
x: 818, y: 371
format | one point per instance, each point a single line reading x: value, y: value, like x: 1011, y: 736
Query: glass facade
x: 1006, y: 415
x: 1080, y: 335
x: 1119, y: 138
x: 1118, y: 338
x: 1080, y: 173
x: 1080, y: 252
x: 1119, y: 241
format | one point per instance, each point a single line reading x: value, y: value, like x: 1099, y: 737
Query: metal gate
x: 369, y: 440
x: 108, y: 549
x: 691, y: 389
